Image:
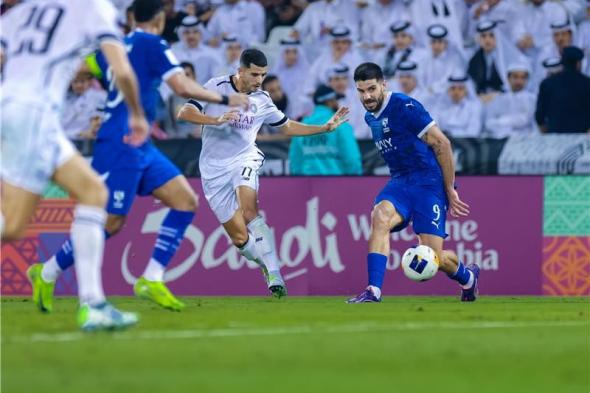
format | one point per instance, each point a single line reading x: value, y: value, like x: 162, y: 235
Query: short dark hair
x: 146, y: 10
x: 253, y: 56
x: 186, y: 64
x: 367, y: 71
x: 269, y: 78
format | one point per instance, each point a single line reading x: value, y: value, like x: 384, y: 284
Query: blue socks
x: 462, y: 275
x: 171, y: 234
x: 65, y: 255
x: 376, y: 264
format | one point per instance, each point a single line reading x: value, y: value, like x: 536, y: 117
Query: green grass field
x: 308, y: 344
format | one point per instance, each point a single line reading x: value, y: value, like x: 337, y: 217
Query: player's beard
x: 378, y: 101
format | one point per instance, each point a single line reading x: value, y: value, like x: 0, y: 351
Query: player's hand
x: 457, y: 207
x: 239, y: 100
x: 339, y: 117
x: 228, y: 116
x: 139, y: 130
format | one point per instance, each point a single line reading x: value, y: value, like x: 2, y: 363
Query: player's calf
x: 466, y: 276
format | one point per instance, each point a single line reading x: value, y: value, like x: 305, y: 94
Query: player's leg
x: 122, y: 185
x: 87, y: 235
x: 18, y: 206
x: 384, y: 217
x: 429, y: 223
x: 177, y: 194
x: 259, y: 230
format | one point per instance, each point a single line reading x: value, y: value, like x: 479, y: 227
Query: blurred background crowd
x: 487, y: 68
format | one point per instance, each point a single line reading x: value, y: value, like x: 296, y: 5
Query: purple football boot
x: 366, y: 296
x: 469, y: 295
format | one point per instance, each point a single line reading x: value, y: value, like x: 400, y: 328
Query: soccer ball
x: 420, y: 263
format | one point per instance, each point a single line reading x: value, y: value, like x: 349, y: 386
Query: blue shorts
x: 129, y: 171
x: 425, y: 206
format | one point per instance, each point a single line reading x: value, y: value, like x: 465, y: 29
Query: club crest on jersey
x: 385, y: 124
x: 253, y: 108
x: 118, y: 196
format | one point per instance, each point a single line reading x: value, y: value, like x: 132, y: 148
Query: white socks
x: 376, y: 291
x: 265, y: 242
x: 87, y: 234
x: 154, y: 271
x: 250, y: 251
x: 51, y: 270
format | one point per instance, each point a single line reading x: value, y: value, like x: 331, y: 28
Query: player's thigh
x: 221, y: 196
x: 18, y: 206
x: 177, y: 194
x: 430, y: 210
x: 81, y: 182
x: 246, y: 183
x: 392, y: 205
x: 236, y: 229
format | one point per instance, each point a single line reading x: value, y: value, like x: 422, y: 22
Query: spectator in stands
x: 231, y: 49
x: 408, y: 81
x: 84, y: 105
x: 402, y: 48
x: 459, y: 112
x: 173, y: 19
x: 375, y: 36
x: 341, y: 52
x: 503, y: 12
x: 532, y: 30
x: 339, y: 80
x: 443, y: 59
x: 283, y: 13
x: 292, y: 66
x: 191, y: 49
x: 513, y: 112
x: 174, y: 127
x: 564, y: 98
x: 239, y: 18
x: 449, y: 13
x: 329, y: 154
x: 314, y: 26
x: 549, y: 66
x: 291, y: 105
x: 488, y: 65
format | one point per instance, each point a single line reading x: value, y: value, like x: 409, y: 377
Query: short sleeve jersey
x: 226, y: 145
x: 45, y: 41
x: 153, y: 62
x: 397, y: 130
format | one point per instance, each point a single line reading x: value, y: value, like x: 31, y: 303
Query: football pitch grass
x: 305, y: 344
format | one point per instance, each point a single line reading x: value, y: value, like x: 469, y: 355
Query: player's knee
x: 381, y: 218
x: 249, y: 214
x: 94, y: 193
x: 189, y: 202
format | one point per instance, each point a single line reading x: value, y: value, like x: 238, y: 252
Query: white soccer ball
x: 420, y: 263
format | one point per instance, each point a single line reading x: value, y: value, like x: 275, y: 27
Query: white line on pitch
x: 289, y: 330
x: 296, y: 273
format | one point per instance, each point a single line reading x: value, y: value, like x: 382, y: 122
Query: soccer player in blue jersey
x: 422, y: 185
x: 128, y: 171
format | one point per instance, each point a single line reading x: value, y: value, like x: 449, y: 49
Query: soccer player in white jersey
x: 230, y: 160
x: 44, y: 42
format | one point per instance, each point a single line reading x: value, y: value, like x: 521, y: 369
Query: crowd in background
x: 487, y: 68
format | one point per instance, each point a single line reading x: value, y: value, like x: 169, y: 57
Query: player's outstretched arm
x: 188, y: 88
x: 295, y: 128
x: 441, y: 145
x: 192, y: 114
x: 126, y: 81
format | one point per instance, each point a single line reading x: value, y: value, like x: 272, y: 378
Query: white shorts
x: 32, y: 145
x: 220, y: 190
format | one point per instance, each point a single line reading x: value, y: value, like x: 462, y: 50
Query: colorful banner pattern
x: 321, y: 226
x: 566, y: 227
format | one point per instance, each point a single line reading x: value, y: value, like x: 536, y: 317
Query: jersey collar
x: 385, y: 103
